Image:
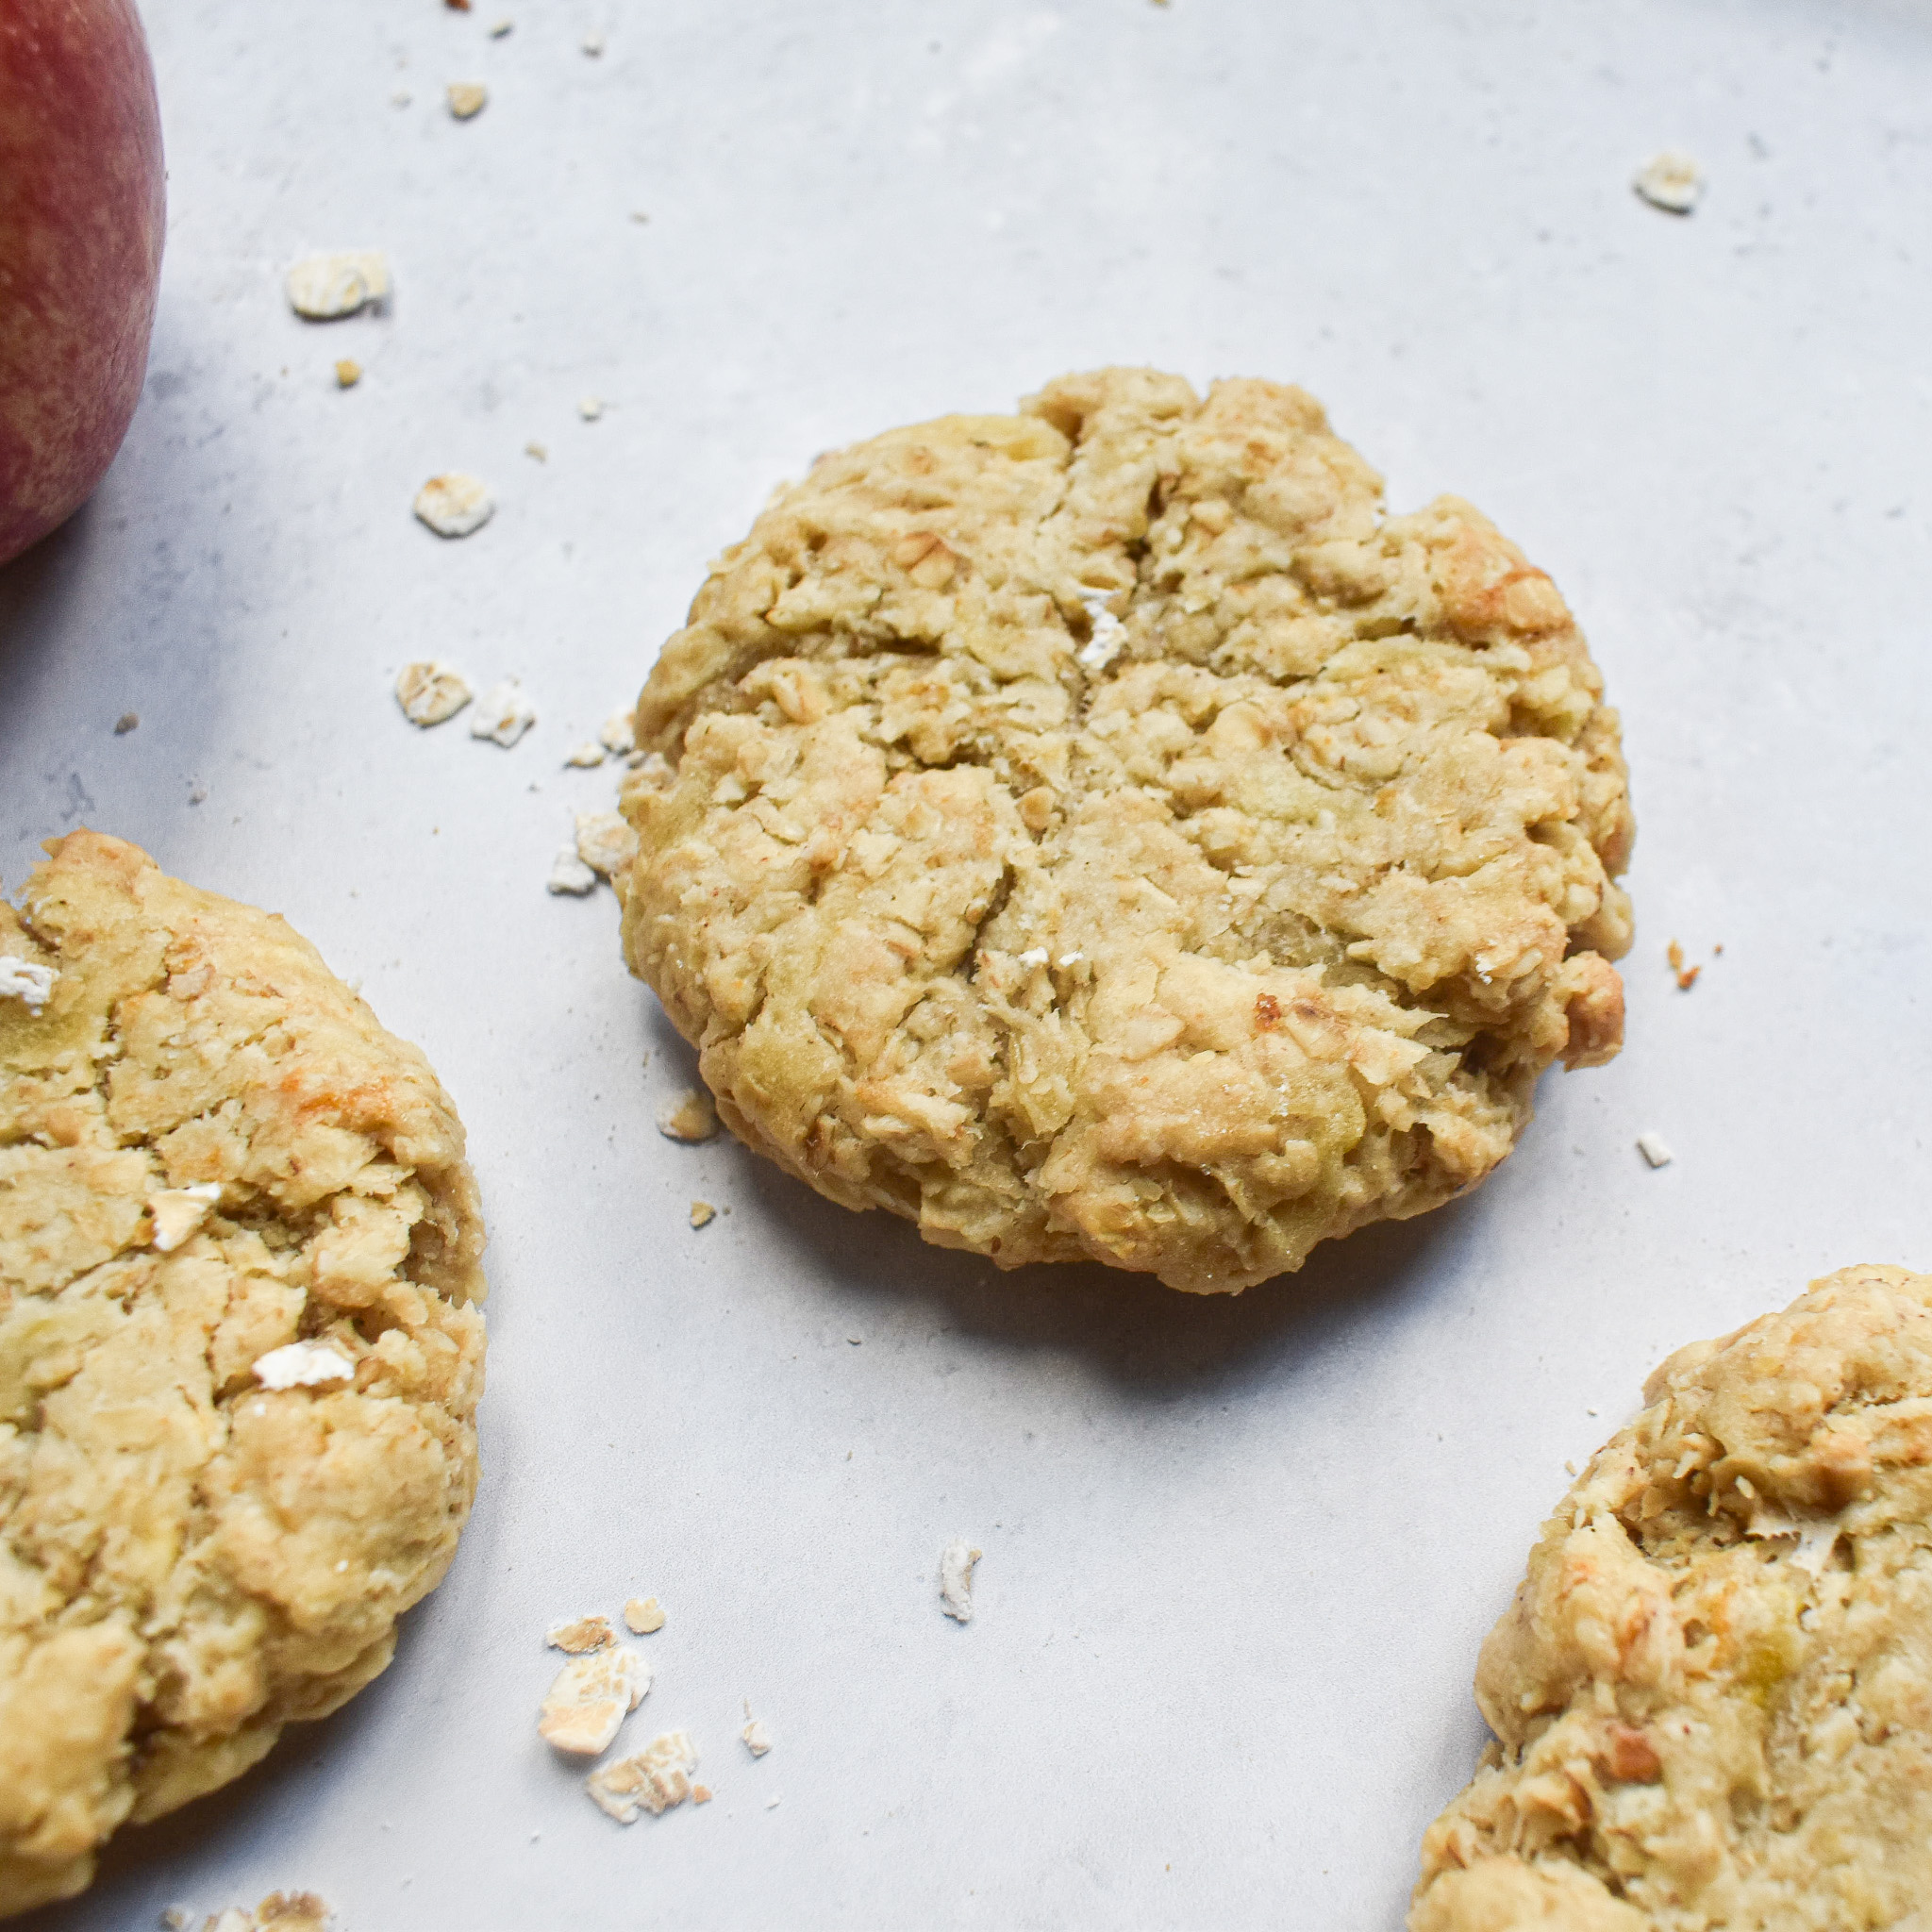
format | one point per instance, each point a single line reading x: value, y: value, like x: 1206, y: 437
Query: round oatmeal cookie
x: 239, y: 1351
x: 1712, y: 1696
x: 1102, y: 832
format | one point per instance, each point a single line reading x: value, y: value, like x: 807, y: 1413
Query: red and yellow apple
x: 82, y: 208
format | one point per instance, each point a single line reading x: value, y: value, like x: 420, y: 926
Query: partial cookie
x: 1713, y: 1694
x: 239, y: 1353
x: 1100, y: 832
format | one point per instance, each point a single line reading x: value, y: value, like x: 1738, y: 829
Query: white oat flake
x: 430, y: 691
x: 23, y: 980
x: 757, y: 1741
x: 586, y: 756
x: 570, y: 875
x: 1670, y: 181
x: 1654, y: 1148
x: 303, y: 1365
x: 455, y: 503
x: 955, y: 1579
x: 688, y: 1116
x: 325, y: 287
x: 179, y: 1212
x: 503, y: 714
x: 591, y: 1697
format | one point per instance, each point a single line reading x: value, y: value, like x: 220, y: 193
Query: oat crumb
x: 587, y: 754
x: 590, y: 408
x: 688, y: 1116
x: 605, y: 842
x: 467, y: 98
x: 325, y: 287
x: 653, y: 1780
x: 499, y: 28
x: 593, y: 43
x: 589, y: 1698
x: 955, y: 1579
x: 757, y: 1741
x: 1670, y: 181
x: 618, y: 734
x: 644, y: 1615
x: 291, y: 1911
x: 537, y: 451
x: 701, y: 1795
x: 1654, y: 1149
x: 455, y: 503
x: 581, y: 1636
x: 1686, y: 975
x: 23, y: 980
x: 503, y: 714
x: 126, y: 722
x: 570, y: 875
x: 702, y: 1214
x: 431, y: 692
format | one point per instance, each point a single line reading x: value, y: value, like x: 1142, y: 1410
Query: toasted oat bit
x: 348, y: 373
x: 702, y: 1214
x: 955, y: 1579
x: 194, y: 1560
x: 758, y: 1739
x: 178, y: 1212
x: 1331, y: 836
x: 605, y: 842
x: 569, y: 874
x: 589, y: 1698
x: 325, y: 287
x: 1711, y: 1695
x: 291, y: 1911
x: 688, y: 1116
x: 644, y: 1616
x: 130, y: 721
x: 303, y: 1365
x: 28, y: 981
x: 590, y: 408
x: 701, y: 1795
x: 1670, y: 181
x: 467, y: 98
x: 1654, y: 1148
x: 653, y: 1780
x: 430, y: 691
x: 583, y: 1634
x: 1686, y: 975
x: 618, y: 734
x: 455, y: 503
x: 586, y: 756
x: 503, y: 714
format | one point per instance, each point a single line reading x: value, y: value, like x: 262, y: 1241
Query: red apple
x: 82, y: 208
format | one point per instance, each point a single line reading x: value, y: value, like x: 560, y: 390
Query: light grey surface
x: 1239, y: 1554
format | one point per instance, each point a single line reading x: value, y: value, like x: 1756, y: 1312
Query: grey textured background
x: 1239, y: 1553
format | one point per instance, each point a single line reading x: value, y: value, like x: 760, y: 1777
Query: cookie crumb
x: 701, y: 1795
x: 499, y: 28
x: 467, y: 98
x: 179, y: 1212
x: 688, y: 1116
x: 325, y: 287
x: 126, y: 722
x: 618, y: 734
x: 653, y: 1780
x: 644, y: 1615
x: 589, y: 1698
x: 303, y: 1365
x: 605, y: 842
x: 21, y: 980
x: 1670, y: 181
x: 593, y: 43
x: 1654, y: 1149
x: 955, y: 1579
x: 568, y: 874
x: 590, y: 408
x: 1686, y: 975
x: 757, y: 1741
x: 537, y: 451
x: 431, y: 692
x: 455, y: 503
x: 582, y: 1636
x: 702, y: 1214
x: 771, y: 1804
x: 291, y: 1911
x: 587, y: 754
x: 503, y: 714
x: 348, y: 373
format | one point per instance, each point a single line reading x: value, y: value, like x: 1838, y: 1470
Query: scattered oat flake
x: 688, y: 1116
x: 179, y: 1212
x: 1671, y: 181
x: 605, y: 842
x: 325, y: 287
x: 644, y: 1616
x: 1686, y: 975
x: 590, y: 408
x: 126, y: 722
x: 466, y: 98
x: 455, y: 503
x: 430, y: 691
x: 586, y: 755
x: 348, y: 373
x: 537, y: 451
x: 701, y: 1795
x: 585, y: 1634
x: 503, y: 714
x: 653, y: 1780
x: 955, y: 1579
x: 570, y: 875
x: 1654, y: 1149
x: 593, y: 43
x: 501, y: 27
x: 591, y: 1697
x: 757, y: 1741
x: 303, y: 1365
x: 702, y: 1214
x: 771, y: 1804
x: 618, y: 734
x: 23, y: 980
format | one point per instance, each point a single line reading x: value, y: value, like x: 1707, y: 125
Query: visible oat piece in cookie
x: 1101, y: 832
x: 213, y: 1161
x: 1713, y: 1694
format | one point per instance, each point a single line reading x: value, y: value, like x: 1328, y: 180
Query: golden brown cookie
x: 1712, y: 1697
x: 1102, y: 832
x: 239, y: 1351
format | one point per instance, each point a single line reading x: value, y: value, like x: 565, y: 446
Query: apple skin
x: 83, y: 208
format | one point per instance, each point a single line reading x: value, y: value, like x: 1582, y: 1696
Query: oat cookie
x: 1100, y: 832
x: 212, y: 1158
x: 1713, y: 1693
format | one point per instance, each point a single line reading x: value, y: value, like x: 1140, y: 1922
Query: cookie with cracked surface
x: 1101, y: 832
x: 1712, y: 1697
x: 212, y: 1157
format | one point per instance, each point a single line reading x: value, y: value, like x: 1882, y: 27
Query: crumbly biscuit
x: 195, y: 1549
x: 1100, y: 832
x: 1713, y: 1694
